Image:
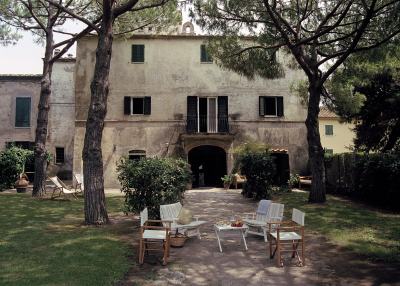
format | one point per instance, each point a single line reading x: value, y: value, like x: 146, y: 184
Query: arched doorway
x: 208, y: 164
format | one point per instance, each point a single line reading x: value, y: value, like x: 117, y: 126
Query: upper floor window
x: 137, y: 105
x: 271, y: 106
x: 23, y: 112
x: 204, y: 56
x: 137, y: 53
x: 329, y: 151
x: 136, y: 155
x: 328, y: 129
x: 60, y: 155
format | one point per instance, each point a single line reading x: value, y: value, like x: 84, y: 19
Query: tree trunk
x: 315, y: 150
x: 42, y: 120
x: 95, y: 204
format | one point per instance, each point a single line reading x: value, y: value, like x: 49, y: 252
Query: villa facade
x: 168, y: 98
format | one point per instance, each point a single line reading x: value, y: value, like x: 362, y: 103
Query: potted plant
x: 22, y: 183
x: 227, y: 180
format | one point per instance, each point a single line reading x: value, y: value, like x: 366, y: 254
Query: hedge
x: 374, y: 178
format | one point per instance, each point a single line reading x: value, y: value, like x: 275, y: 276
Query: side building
x: 168, y: 98
x: 336, y: 136
x: 19, y: 99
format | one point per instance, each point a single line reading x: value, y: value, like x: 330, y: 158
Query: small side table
x: 228, y: 228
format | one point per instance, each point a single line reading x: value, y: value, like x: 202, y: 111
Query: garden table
x: 228, y: 228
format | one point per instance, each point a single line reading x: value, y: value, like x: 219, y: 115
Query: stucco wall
x: 61, y: 126
x: 9, y: 91
x: 342, y: 138
x: 171, y: 72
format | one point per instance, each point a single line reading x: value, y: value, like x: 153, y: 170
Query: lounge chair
x: 290, y: 235
x: 259, y: 222
x: 153, y: 235
x: 61, y: 188
x: 79, y: 183
x: 171, y: 212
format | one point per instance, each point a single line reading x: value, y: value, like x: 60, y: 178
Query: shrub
x: 256, y: 163
x: 12, y: 163
x: 151, y: 182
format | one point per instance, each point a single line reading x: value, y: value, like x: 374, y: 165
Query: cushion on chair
x: 253, y: 222
x: 154, y: 234
x: 185, y: 216
x: 290, y: 235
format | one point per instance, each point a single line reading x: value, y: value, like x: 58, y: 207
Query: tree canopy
x: 320, y: 35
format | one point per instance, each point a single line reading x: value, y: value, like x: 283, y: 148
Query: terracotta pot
x: 21, y: 184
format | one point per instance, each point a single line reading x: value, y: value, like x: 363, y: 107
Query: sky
x: 26, y: 56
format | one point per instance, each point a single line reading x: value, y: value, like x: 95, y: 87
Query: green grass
x: 43, y: 242
x: 368, y: 232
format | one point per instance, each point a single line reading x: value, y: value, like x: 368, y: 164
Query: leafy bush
x: 12, y: 162
x: 374, y: 178
x: 256, y: 163
x: 294, y: 180
x: 151, y: 182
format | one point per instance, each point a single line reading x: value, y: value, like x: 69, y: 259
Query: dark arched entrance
x: 208, y: 165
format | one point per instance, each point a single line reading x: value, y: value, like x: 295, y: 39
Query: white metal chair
x: 79, y: 183
x: 171, y: 212
x: 152, y: 235
x: 258, y: 224
x: 291, y: 235
x: 61, y: 188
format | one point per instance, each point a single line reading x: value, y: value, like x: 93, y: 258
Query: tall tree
x: 95, y: 206
x: 7, y: 35
x: 44, y: 19
x: 320, y: 35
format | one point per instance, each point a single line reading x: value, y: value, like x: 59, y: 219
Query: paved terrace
x: 200, y: 262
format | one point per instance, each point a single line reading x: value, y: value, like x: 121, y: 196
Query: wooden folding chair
x: 61, y: 188
x: 288, y: 237
x: 153, y: 235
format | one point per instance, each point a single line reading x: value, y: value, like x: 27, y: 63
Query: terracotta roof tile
x: 326, y: 113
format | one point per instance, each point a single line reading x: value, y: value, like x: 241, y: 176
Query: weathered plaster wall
x: 9, y: 91
x: 61, y: 127
x: 171, y: 72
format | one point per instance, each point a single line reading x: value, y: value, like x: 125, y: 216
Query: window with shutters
x: 205, y: 57
x: 23, y: 112
x: 328, y: 129
x: 137, y: 105
x: 271, y: 106
x: 136, y: 155
x: 137, y: 53
x: 60, y: 155
x: 207, y: 114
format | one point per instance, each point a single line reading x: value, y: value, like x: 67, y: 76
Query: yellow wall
x: 342, y: 137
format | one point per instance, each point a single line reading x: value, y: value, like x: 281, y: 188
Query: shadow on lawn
x: 44, y: 242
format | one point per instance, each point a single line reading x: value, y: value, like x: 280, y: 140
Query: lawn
x: 361, y: 229
x: 43, y: 242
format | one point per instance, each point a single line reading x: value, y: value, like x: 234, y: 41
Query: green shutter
x: 261, y: 106
x: 147, y: 105
x: 204, y: 56
x: 328, y: 129
x: 279, y: 106
x: 138, y: 53
x: 23, y: 112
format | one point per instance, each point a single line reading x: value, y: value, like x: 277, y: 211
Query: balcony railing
x: 207, y: 124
